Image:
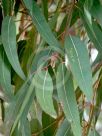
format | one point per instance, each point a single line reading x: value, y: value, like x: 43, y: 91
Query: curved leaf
x: 44, y: 91
x: 41, y: 25
x: 67, y: 98
x: 5, y: 75
x: 80, y: 65
x: 91, y: 33
x: 9, y: 43
x: 14, y: 107
x: 27, y: 100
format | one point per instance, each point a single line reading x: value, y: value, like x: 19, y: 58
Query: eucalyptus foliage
x: 50, y: 85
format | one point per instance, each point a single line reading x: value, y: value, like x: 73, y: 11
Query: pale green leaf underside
x: 67, y: 98
x: 44, y: 92
x: 80, y: 65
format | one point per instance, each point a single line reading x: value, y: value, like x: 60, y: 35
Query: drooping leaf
x: 5, y: 75
x: 25, y: 104
x: 44, y: 91
x: 87, y: 6
x: 91, y: 33
x: 40, y: 59
x: 64, y: 129
x: 80, y: 65
x: 67, y: 98
x: 7, y: 7
x: 41, y: 25
x: 45, y: 8
x: 96, y: 11
x: 98, y: 34
x: 26, y: 130
x: 9, y: 44
x: 14, y: 107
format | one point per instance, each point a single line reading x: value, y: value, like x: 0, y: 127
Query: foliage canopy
x: 50, y: 85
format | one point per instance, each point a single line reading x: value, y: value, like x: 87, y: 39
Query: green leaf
x: 90, y: 31
x: 44, y: 91
x: 7, y: 7
x: 96, y: 11
x: 28, y: 99
x: 80, y: 65
x: 5, y: 75
x: 41, y: 59
x: 9, y: 43
x: 26, y: 130
x: 36, y: 127
x: 51, y: 122
x: 67, y: 98
x: 98, y: 34
x: 64, y: 129
x: 14, y: 107
x: 45, y: 8
x: 42, y: 26
x: 87, y: 6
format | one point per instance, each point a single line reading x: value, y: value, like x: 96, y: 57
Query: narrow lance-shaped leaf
x: 14, y: 107
x: 7, y: 6
x: 67, y: 98
x: 91, y: 33
x: 41, y: 25
x: 26, y: 130
x: 9, y: 43
x: 23, y: 110
x: 96, y: 11
x: 5, y: 77
x: 44, y: 91
x: 80, y: 65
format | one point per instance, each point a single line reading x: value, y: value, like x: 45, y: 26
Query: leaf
x: 25, y: 104
x: 64, y: 129
x: 96, y: 11
x: 42, y: 26
x: 80, y: 65
x: 5, y: 75
x: 91, y: 33
x: 14, y: 107
x: 40, y: 59
x: 45, y: 8
x: 26, y: 131
x: 36, y: 128
x: 87, y: 6
x: 9, y: 43
x: 44, y: 92
x: 7, y: 7
x: 51, y: 122
x: 67, y: 98
x: 98, y: 34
